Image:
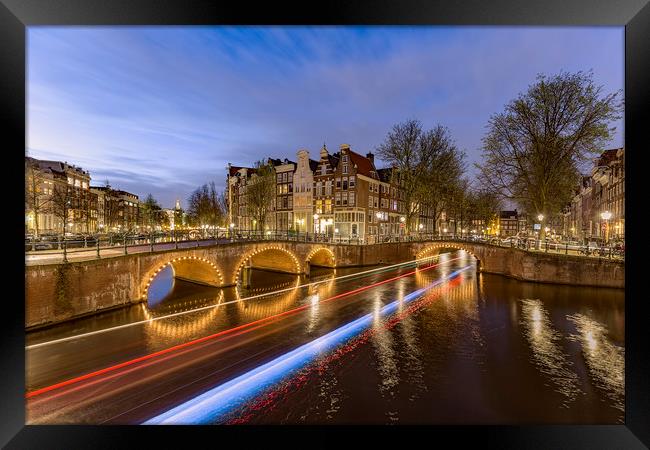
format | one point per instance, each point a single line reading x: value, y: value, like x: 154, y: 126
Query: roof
x: 607, y: 156
x: 313, y: 165
x: 364, y: 165
x: 334, y: 159
x: 56, y: 166
x: 279, y: 162
x: 385, y: 174
x: 116, y: 192
x: 508, y: 214
x: 232, y: 170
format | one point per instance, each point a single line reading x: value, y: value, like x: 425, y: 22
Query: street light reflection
x: 605, y: 360
x: 547, y: 353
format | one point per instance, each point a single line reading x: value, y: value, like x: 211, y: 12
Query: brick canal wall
x: 58, y: 292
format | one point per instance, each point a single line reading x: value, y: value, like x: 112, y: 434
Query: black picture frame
x: 16, y: 15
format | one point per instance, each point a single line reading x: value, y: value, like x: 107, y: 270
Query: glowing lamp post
x: 606, y: 215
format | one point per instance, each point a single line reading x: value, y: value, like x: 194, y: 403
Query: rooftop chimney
x: 371, y: 157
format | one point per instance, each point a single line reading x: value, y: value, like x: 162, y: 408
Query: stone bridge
x: 58, y: 291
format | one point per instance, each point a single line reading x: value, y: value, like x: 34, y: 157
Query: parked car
x: 43, y: 242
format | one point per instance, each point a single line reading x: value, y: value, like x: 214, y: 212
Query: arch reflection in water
x: 547, y: 353
x: 161, y: 286
x: 264, y: 282
x: 182, y: 326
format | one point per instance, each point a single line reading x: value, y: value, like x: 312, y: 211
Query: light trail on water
x: 209, y: 406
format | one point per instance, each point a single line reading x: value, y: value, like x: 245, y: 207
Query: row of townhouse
x: 341, y: 194
x: 597, y: 209
x: 59, y: 199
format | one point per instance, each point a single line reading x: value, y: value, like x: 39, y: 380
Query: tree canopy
x: 533, y: 150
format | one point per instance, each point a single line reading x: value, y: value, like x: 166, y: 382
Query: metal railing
x: 94, y: 246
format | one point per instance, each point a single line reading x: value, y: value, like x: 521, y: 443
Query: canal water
x: 483, y: 349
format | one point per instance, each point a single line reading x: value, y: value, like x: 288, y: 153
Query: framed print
x: 363, y: 215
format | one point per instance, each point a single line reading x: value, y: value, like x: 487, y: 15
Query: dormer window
x: 345, y: 158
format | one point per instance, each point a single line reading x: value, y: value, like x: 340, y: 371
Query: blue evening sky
x: 162, y: 110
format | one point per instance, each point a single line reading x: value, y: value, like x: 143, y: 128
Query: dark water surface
x: 483, y: 349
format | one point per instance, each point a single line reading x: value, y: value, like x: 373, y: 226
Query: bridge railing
x: 90, y: 247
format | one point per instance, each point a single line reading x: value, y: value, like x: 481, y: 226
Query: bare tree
x: 205, y: 206
x: 533, y: 149
x: 216, y: 210
x: 62, y: 203
x: 426, y: 163
x: 483, y: 206
x: 442, y: 179
x: 37, y: 198
x: 458, y: 204
x: 150, y: 211
x: 260, y: 192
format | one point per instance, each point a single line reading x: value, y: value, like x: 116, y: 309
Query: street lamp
x: 402, y: 219
x: 606, y: 215
x: 421, y: 226
x: 540, y: 217
x: 316, y: 216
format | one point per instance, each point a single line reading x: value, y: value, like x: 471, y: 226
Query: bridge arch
x: 321, y: 256
x: 434, y: 248
x: 268, y: 257
x: 189, y: 268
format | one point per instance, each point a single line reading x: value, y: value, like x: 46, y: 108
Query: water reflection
x: 186, y: 327
x: 606, y: 361
x: 547, y: 352
x: 472, y: 352
x: 412, y: 356
x: 161, y: 286
x: 261, y: 307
